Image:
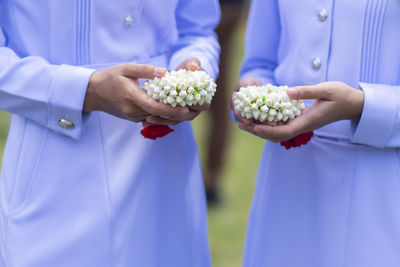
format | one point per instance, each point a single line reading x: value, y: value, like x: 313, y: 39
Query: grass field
x: 3, y: 131
x: 227, y: 222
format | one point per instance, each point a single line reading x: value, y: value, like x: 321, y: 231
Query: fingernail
x: 292, y: 92
x: 158, y: 71
x: 194, y: 65
x: 185, y: 111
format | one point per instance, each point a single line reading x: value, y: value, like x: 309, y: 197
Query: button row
x: 322, y: 16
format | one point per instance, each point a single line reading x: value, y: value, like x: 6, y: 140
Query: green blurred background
x: 228, y: 220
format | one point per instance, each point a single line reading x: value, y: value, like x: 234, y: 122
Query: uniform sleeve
x: 379, y: 125
x: 46, y: 94
x: 196, y: 21
x: 262, y: 41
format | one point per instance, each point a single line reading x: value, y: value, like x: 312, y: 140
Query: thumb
x: 308, y: 92
x: 192, y: 64
x: 136, y: 71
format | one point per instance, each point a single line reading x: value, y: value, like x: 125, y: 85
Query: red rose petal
x: 298, y: 141
x: 155, y: 131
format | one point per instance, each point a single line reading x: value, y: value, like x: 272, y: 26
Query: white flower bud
x: 272, y: 112
x: 256, y: 114
x: 170, y: 99
x: 263, y: 117
x: 183, y: 94
x: 189, y: 98
x: 264, y: 109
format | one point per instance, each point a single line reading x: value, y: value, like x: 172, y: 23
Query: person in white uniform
x: 335, y: 201
x: 80, y: 186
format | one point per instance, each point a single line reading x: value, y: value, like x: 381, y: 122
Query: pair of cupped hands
x: 334, y: 101
x: 116, y: 91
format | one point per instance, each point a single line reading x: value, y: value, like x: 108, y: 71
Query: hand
x: 334, y: 101
x: 250, y: 81
x: 192, y: 64
x: 116, y: 91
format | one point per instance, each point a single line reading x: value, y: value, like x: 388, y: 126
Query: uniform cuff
x: 378, y: 116
x: 66, y: 100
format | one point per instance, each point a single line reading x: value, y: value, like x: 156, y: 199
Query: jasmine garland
x: 267, y: 103
x: 182, y: 87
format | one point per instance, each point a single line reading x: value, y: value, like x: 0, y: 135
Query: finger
x: 277, y: 133
x: 153, y: 107
x: 158, y: 120
x: 250, y: 81
x: 245, y: 127
x: 274, y: 133
x: 271, y: 123
x: 145, y: 124
x: 285, y: 131
x: 310, y: 92
x: 188, y: 117
x: 192, y: 64
x: 205, y: 107
x: 249, y: 129
x: 240, y: 118
x: 136, y: 118
x: 133, y: 70
x: 262, y: 134
x: 137, y: 112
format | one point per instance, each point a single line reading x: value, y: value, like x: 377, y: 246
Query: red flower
x: 299, y: 140
x: 156, y: 130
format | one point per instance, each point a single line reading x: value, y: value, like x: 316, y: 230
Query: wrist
x: 357, y: 104
x: 90, y: 98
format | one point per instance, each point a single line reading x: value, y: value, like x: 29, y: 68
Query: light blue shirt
x: 97, y: 194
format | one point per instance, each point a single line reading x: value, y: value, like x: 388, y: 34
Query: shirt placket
x: 322, y: 21
x: 82, y: 14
